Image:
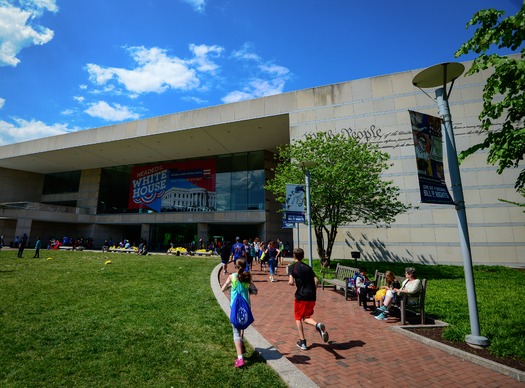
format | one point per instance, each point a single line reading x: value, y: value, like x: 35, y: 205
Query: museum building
x: 200, y: 175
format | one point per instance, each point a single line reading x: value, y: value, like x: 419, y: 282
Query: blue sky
x: 71, y: 65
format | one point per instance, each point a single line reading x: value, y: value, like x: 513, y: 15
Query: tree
x: 345, y: 184
x: 503, y: 94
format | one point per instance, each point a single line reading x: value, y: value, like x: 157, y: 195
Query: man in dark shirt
x: 303, y: 277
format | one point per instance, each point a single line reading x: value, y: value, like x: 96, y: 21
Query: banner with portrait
x: 428, y: 144
x: 294, y: 211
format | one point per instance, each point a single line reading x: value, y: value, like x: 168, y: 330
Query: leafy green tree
x: 345, y: 184
x: 503, y: 95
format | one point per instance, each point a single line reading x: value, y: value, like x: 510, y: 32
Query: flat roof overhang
x: 125, y: 144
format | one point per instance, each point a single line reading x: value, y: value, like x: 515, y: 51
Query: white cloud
x: 256, y: 88
x: 18, y: 30
x: 269, y: 78
x: 237, y: 96
x: 198, y: 5
x: 156, y: 71
x: 50, y: 5
x: 2, y: 102
x: 107, y: 112
x: 23, y: 130
x: 196, y: 100
x: 280, y: 71
x: 246, y: 52
x: 202, y: 54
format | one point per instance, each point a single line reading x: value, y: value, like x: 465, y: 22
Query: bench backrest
x: 344, y: 272
x: 380, y: 279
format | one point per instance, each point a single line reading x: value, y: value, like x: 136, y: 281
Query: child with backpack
x: 364, y: 287
x: 241, y: 316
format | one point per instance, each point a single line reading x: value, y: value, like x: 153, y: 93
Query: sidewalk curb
x: 503, y: 369
x: 291, y: 375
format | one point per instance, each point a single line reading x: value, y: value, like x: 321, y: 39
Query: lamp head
x: 438, y: 75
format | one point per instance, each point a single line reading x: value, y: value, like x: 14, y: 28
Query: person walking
x: 238, y: 250
x: 38, y: 243
x: 241, y: 287
x: 225, y: 256
x: 272, y: 254
x: 303, y: 277
x: 22, y: 245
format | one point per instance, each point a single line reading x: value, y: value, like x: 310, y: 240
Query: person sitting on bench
x: 390, y: 283
x: 364, y: 287
x: 411, y: 285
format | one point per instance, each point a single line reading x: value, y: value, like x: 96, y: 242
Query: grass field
x: 73, y: 320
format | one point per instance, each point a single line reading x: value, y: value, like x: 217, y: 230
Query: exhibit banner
x: 171, y: 187
x: 428, y: 144
x: 295, y: 202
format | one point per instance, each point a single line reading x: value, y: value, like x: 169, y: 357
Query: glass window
x: 255, y: 190
x: 239, y: 162
x: 223, y: 163
x: 114, y: 190
x: 223, y: 191
x: 61, y: 182
x: 256, y: 160
x: 239, y: 190
x: 239, y: 184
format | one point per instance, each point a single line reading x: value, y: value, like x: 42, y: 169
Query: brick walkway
x: 361, y: 351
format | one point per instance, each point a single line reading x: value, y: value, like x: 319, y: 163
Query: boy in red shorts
x: 303, y: 277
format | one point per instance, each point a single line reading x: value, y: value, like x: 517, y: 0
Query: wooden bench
x: 409, y: 302
x: 340, y: 278
x: 177, y: 252
x: 202, y: 253
x: 130, y: 250
x: 65, y: 248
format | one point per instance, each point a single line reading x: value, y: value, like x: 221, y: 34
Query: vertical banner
x: 294, y: 207
x: 428, y: 144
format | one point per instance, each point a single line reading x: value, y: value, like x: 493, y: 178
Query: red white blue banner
x: 174, y: 187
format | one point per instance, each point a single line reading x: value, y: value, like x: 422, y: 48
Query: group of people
x: 300, y: 275
x: 142, y: 248
x: 269, y: 254
x: 21, y: 243
x: 76, y: 243
x: 386, y: 295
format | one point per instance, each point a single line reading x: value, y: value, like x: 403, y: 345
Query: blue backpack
x: 241, y: 314
x: 353, y: 280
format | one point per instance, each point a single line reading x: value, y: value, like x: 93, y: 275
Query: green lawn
x: 140, y: 321
x: 498, y: 289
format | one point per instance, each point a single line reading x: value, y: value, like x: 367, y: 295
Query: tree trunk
x: 325, y: 254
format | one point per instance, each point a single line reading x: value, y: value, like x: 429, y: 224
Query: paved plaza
x: 361, y: 351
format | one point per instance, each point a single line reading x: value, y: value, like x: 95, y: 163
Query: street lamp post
x: 440, y: 75
x: 305, y: 166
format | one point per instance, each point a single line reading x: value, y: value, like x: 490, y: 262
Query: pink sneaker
x: 239, y: 363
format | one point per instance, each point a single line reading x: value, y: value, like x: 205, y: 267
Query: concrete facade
x: 373, y: 110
